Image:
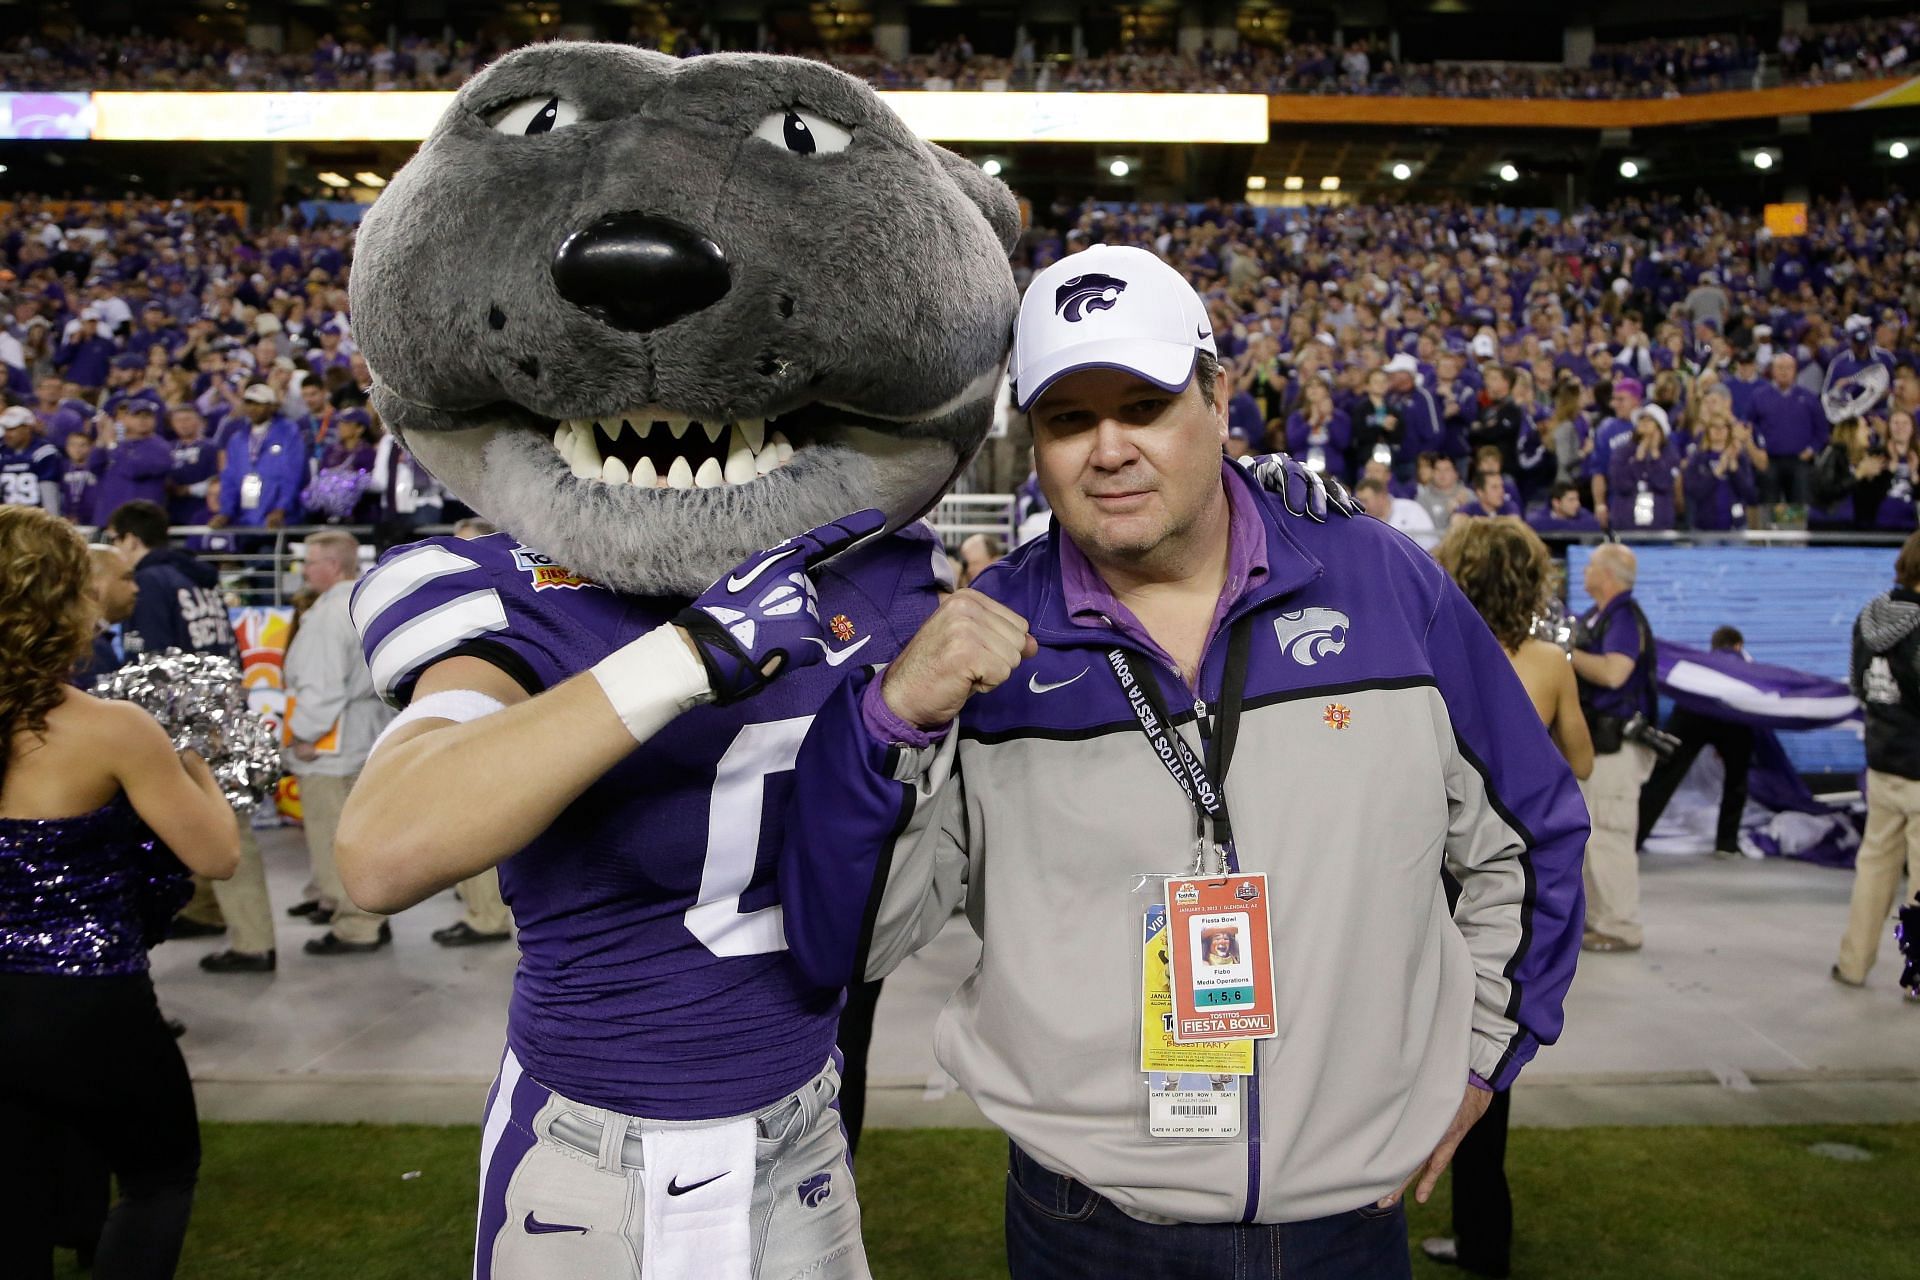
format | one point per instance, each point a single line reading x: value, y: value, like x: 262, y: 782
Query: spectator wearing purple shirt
x: 196, y: 460
x: 1244, y: 420
x: 341, y: 489
x: 85, y: 358
x: 1718, y: 477
x: 155, y: 328
x: 266, y: 466
x: 1318, y: 434
x: 134, y: 467
x: 80, y: 483
x: 1492, y: 496
x: 1644, y: 475
x: 1792, y: 427
x: 1563, y: 513
x: 1612, y: 432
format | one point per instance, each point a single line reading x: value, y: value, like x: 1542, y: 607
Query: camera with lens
x: 1650, y: 735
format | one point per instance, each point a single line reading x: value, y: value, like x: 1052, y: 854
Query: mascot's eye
x: 530, y: 116
x: 803, y: 133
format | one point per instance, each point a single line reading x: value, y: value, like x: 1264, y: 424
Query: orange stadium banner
x: 1619, y: 113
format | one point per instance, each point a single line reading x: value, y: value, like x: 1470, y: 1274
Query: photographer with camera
x: 1613, y: 659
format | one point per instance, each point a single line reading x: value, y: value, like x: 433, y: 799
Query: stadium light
x: 1628, y: 169
x: 1330, y: 183
x: 990, y: 167
x: 1402, y: 171
x: 1119, y: 168
x: 3, y: 168
x: 1256, y: 182
x: 333, y: 179
x: 1295, y: 182
x: 1509, y: 174
x: 1897, y: 150
x: 1763, y: 160
x: 370, y: 179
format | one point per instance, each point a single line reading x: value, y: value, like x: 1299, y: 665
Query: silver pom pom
x: 199, y: 700
x: 1553, y: 625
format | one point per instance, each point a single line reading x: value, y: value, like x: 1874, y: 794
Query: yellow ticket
x: 1158, y: 1052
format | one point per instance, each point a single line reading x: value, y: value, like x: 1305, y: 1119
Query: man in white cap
x: 266, y: 466
x: 1860, y: 355
x: 1179, y: 1110
x: 30, y: 467
x: 1423, y: 427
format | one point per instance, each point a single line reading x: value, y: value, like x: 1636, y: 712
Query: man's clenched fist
x: 971, y: 644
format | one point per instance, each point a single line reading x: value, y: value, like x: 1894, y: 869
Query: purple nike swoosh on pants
x: 512, y: 1103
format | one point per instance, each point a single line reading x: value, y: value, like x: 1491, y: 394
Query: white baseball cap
x: 1108, y: 307
x: 17, y: 416
x: 260, y: 393
x: 1403, y: 363
x: 1658, y: 415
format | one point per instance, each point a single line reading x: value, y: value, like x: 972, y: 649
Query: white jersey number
x: 733, y: 841
x: 19, y: 488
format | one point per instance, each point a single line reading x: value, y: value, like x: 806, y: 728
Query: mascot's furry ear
x: 990, y: 195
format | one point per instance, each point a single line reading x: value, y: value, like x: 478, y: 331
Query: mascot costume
x: 667, y: 324
x: 653, y: 317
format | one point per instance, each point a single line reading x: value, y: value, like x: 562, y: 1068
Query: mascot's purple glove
x: 756, y: 622
x: 1304, y: 491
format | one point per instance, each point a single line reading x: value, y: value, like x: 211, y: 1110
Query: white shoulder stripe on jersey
x: 402, y: 575
x: 417, y: 642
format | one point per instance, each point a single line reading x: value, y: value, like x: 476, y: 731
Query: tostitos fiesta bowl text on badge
x: 1221, y: 951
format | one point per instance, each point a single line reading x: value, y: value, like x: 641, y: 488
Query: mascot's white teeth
x: 647, y: 449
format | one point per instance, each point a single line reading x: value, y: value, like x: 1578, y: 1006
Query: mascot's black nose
x: 640, y: 272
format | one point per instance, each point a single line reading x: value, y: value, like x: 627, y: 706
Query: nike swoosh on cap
x: 837, y: 656
x: 535, y: 1227
x: 1034, y: 685
x: 742, y: 583
x: 675, y: 1189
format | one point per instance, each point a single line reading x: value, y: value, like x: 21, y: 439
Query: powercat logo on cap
x: 1093, y: 292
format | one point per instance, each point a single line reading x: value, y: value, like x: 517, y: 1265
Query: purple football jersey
x: 654, y: 977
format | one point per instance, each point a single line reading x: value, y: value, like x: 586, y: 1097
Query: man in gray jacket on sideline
x: 1187, y: 642
x: 335, y: 718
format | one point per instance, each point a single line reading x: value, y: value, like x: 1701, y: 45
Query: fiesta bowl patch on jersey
x: 545, y: 573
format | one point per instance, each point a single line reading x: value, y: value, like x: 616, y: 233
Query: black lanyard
x: 1203, y: 782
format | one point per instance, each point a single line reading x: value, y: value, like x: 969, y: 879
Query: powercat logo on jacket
x: 1091, y: 292
x: 1308, y: 635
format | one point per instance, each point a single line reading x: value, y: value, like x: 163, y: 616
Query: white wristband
x: 652, y: 680
x: 457, y: 705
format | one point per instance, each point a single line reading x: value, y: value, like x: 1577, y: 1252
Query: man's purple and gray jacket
x: 1385, y: 746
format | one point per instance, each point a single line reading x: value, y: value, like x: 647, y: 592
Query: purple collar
x: 1091, y: 603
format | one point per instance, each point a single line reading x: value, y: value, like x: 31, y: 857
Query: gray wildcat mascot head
x: 651, y: 315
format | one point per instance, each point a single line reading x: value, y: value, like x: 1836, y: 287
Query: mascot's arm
x: 442, y: 800
x: 462, y: 782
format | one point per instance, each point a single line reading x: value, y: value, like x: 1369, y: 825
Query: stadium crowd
x: 1817, y: 54
x: 1658, y: 364
x: 167, y: 354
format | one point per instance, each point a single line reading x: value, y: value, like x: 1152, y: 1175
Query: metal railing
x: 961, y: 515
x: 262, y: 566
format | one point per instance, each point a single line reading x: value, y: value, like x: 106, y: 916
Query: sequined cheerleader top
x: 85, y: 896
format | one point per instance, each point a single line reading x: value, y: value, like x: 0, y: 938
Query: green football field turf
x: 320, y: 1202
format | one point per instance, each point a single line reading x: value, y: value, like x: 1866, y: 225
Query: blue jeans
x: 1058, y: 1229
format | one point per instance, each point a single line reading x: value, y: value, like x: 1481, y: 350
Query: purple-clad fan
x: 657, y: 394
